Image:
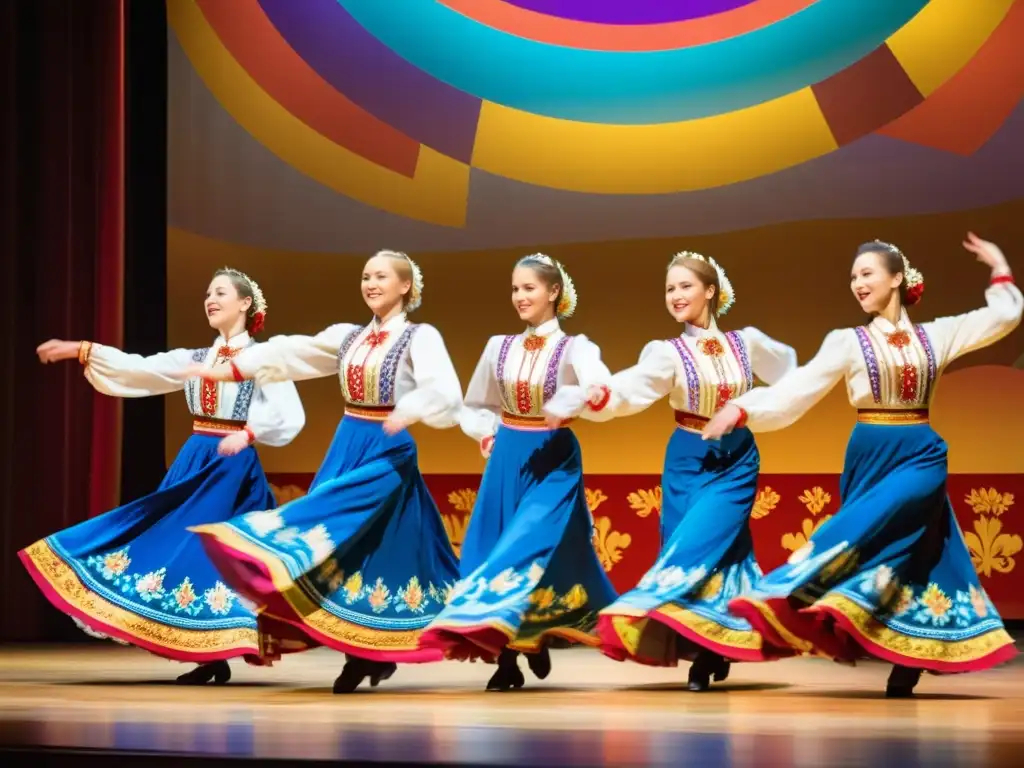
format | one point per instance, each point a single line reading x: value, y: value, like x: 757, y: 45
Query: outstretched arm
x: 628, y: 392
x: 766, y: 409
x: 116, y: 373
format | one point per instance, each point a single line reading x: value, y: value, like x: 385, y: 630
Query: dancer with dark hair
x: 530, y: 578
x: 889, y: 575
x: 134, y: 574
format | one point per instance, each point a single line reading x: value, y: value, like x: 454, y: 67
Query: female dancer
x: 362, y: 563
x: 530, y: 575
x: 678, y: 609
x: 134, y: 574
x: 889, y: 575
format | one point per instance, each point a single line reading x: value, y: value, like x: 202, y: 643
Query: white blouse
x: 520, y: 374
x: 699, y: 371
x: 885, y: 366
x: 398, y: 364
x: 273, y: 412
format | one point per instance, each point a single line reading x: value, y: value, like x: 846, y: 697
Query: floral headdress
x: 726, y: 294
x: 912, y: 277
x: 568, y: 299
x: 258, y: 310
x: 415, y: 298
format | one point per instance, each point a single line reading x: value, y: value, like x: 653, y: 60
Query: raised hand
x: 987, y: 253
x: 722, y: 423
x: 55, y: 350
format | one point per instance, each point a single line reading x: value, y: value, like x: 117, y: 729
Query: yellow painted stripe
x: 437, y: 193
x: 652, y: 159
x: 943, y: 37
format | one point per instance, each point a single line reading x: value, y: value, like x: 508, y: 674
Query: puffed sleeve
x: 119, y: 374
x: 571, y: 400
x: 784, y: 402
x: 437, y: 399
x: 276, y: 414
x: 585, y: 358
x: 957, y: 335
x: 294, y: 358
x: 481, y: 410
x: 770, y: 359
x: 630, y: 391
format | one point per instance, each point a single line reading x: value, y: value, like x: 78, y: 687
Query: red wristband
x: 1002, y: 279
x: 252, y: 435
x: 742, y: 421
x: 236, y: 374
x: 600, y: 405
x: 486, y: 443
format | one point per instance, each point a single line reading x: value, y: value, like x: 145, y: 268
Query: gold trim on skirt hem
x: 919, y: 648
x: 306, y: 610
x: 65, y: 583
x: 745, y: 639
x: 769, y: 615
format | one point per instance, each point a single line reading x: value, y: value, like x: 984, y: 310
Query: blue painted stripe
x: 626, y: 87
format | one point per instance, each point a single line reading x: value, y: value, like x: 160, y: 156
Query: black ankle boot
x: 217, y: 671
x: 382, y: 670
x: 357, y: 669
x: 352, y: 674
x: 902, y: 681
x: 539, y: 663
x: 704, y: 667
x: 509, y: 675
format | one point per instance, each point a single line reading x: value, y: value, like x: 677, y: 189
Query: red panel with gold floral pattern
x: 789, y: 508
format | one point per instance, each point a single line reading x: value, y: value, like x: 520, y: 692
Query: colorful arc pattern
x: 393, y: 104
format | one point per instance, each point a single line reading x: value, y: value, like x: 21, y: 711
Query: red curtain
x: 61, y: 224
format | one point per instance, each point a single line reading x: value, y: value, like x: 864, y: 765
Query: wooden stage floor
x: 590, y: 711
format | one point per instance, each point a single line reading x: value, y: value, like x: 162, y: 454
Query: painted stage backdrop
x: 774, y: 135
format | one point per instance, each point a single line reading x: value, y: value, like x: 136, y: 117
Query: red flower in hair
x: 914, y: 294
x: 257, y: 323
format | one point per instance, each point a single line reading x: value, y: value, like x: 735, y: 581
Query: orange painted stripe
x: 553, y: 30
x: 966, y: 111
x: 254, y: 42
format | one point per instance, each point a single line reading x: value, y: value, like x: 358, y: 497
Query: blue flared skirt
x: 680, y: 606
x: 360, y: 564
x: 529, y: 573
x: 889, y: 575
x: 136, y: 575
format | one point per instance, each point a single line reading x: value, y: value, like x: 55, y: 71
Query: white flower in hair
x: 569, y: 299
x: 726, y: 293
x: 259, y: 304
x: 416, y: 291
x: 913, y: 276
